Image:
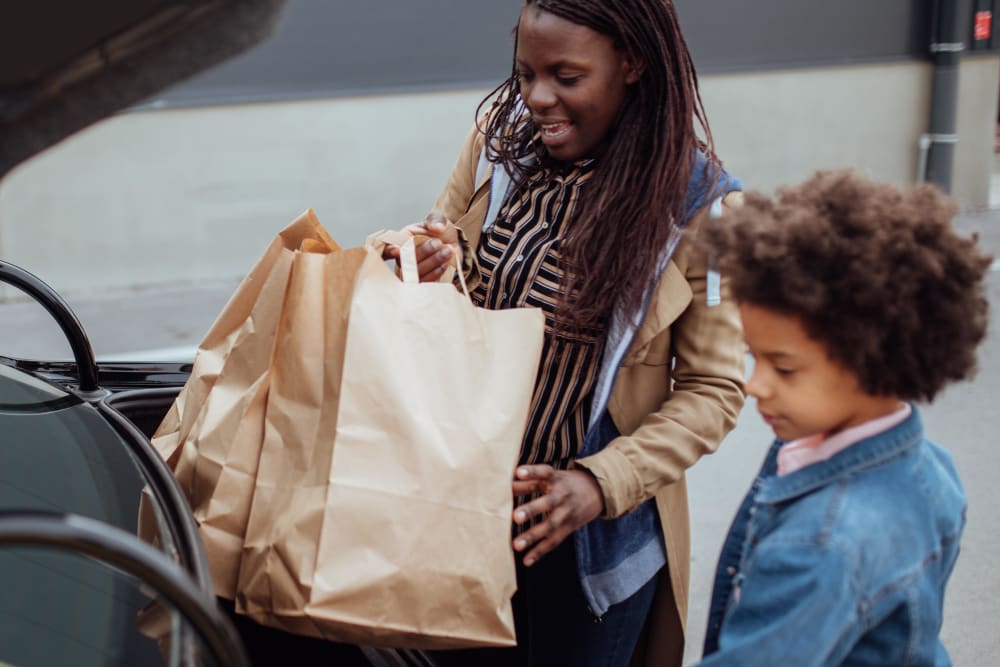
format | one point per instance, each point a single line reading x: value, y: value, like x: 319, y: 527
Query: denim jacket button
x: 730, y: 570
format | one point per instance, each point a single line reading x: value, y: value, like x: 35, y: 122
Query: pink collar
x: 811, y: 449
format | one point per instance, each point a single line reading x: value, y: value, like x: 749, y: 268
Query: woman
x: 591, y: 181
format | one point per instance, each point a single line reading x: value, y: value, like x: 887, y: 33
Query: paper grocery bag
x: 212, y: 435
x: 395, y: 414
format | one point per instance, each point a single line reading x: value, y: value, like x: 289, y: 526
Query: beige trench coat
x: 677, y: 394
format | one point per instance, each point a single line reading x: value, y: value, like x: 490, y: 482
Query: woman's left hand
x: 569, y: 499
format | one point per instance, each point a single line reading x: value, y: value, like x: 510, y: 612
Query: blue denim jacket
x: 843, y: 562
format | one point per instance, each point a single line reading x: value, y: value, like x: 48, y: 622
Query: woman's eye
x: 784, y: 372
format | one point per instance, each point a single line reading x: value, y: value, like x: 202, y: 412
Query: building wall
x: 181, y: 195
x: 775, y: 127
x: 977, y: 123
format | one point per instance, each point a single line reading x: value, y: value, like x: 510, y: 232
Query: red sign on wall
x: 983, y: 27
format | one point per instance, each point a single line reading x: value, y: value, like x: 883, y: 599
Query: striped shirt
x: 520, y: 266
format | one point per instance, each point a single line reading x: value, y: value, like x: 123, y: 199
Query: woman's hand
x: 441, y: 249
x: 570, y: 499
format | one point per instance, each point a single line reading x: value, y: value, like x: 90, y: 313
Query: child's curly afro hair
x: 874, y: 272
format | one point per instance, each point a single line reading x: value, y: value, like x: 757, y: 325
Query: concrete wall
x: 197, y: 194
x: 180, y: 196
x: 777, y: 127
x: 977, y: 122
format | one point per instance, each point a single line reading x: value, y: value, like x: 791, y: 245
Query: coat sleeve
x: 796, y: 604
x: 457, y: 194
x: 456, y: 197
x: 707, y: 395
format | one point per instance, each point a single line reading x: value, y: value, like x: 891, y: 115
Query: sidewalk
x: 150, y: 324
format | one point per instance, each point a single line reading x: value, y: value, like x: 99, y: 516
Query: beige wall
x: 196, y: 194
x: 175, y: 196
x: 977, y: 122
x: 778, y: 127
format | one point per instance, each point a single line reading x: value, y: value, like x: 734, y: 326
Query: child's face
x: 800, y: 391
x: 573, y: 81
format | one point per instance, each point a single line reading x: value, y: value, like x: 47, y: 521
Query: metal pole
x: 946, y: 47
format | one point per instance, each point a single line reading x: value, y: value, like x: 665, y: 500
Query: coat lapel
x: 671, y: 297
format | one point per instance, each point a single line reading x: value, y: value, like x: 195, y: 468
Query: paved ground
x: 167, y: 323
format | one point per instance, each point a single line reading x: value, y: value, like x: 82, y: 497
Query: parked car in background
x: 79, y: 587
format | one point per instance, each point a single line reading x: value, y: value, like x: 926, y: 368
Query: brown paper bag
x: 395, y: 414
x: 212, y: 435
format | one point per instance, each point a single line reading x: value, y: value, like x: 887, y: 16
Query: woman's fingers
x: 546, y: 535
x: 569, y: 499
x: 437, y: 225
x: 535, y: 473
x: 433, y: 258
x: 441, y: 228
x: 537, y: 507
x: 526, y: 488
x: 437, y: 251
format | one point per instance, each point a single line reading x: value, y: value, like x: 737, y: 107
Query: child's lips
x: 770, y: 419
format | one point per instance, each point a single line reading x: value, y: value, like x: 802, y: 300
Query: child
x: 856, y: 299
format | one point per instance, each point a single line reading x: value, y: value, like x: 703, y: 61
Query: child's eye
x: 568, y: 80
x: 784, y: 372
x: 524, y: 76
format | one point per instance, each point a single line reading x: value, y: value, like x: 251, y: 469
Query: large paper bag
x: 212, y: 435
x: 382, y: 510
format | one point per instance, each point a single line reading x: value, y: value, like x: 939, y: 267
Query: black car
x: 76, y: 465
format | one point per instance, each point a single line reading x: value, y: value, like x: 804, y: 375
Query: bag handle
x: 407, y: 251
x: 408, y: 265
x: 408, y: 255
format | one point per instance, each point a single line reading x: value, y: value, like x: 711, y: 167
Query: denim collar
x: 862, y: 455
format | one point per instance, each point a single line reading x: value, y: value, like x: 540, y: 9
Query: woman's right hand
x: 441, y: 249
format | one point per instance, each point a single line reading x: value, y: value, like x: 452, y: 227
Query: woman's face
x: 572, y: 80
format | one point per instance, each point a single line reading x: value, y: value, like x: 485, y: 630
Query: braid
x: 637, y: 194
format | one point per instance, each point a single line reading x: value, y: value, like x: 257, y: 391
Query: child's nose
x: 756, y: 385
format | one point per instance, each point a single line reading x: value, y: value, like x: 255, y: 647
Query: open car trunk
x: 66, y: 65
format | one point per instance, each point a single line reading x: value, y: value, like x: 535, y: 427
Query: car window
x: 24, y: 393
x: 62, y: 458
x: 59, y: 454
x: 59, y: 608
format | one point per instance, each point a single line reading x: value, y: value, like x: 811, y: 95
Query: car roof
x: 66, y: 65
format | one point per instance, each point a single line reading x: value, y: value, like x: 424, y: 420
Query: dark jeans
x: 268, y: 647
x: 555, y: 627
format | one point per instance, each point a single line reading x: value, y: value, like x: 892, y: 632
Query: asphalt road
x: 167, y: 323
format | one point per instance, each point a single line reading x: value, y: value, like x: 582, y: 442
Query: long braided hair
x: 637, y: 193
